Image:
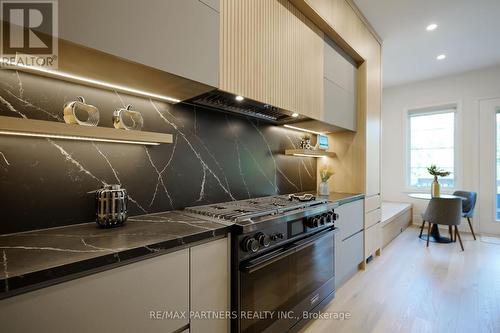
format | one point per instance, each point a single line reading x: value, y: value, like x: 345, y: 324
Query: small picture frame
x: 322, y: 142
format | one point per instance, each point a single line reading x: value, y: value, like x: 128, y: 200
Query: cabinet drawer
x: 350, y: 219
x: 372, y: 203
x: 117, y: 300
x: 372, y: 217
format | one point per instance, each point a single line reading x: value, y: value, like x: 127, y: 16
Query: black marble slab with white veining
x: 35, y: 259
x: 215, y: 157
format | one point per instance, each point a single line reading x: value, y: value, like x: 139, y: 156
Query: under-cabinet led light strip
x: 306, y: 155
x: 80, y: 138
x: 303, y: 129
x: 89, y: 81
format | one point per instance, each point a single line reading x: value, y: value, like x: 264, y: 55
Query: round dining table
x: 435, y: 235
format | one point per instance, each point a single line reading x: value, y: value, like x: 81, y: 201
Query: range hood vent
x: 227, y: 102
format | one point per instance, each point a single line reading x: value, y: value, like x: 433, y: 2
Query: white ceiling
x: 468, y: 33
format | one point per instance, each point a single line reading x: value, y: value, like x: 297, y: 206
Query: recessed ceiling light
x: 239, y: 98
x: 431, y: 27
x: 441, y: 57
x: 295, y: 114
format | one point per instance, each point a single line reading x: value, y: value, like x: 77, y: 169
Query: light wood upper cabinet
x: 358, y: 163
x: 343, y: 19
x: 177, y: 36
x: 272, y: 53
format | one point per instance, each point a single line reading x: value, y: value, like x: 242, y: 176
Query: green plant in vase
x: 436, y: 172
x: 324, y: 173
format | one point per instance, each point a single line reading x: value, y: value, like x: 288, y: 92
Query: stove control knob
x: 250, y: 244
x: 312, y: 222
x: 264, y: 240
x: 324, y: 218
x: 275, y: 237
x: 330, y: 217
x: 335, y: 215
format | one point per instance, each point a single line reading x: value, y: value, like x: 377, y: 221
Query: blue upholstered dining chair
x: 444, y: 211
x: 468, y: 205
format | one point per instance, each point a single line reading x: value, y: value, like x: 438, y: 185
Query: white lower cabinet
x: 124, y: 299
x: 373, y: 240
x: 152, y: 295
x: 348, y: 241
x: 209, y: 286
x: 348, y: 256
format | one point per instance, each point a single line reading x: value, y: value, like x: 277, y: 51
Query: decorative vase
x: 323, y: 188
x: 435, y: 188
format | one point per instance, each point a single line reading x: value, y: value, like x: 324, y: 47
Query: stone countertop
x: 35, y: 259
x: 343, y: 198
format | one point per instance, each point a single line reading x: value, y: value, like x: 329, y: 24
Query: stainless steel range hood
x: 229, y: 103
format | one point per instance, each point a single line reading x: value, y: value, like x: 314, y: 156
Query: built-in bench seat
x: 396, y: 217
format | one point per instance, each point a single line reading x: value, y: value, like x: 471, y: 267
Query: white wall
x: 466, y: 89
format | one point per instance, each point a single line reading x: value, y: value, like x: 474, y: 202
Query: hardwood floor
x: 411, y: 288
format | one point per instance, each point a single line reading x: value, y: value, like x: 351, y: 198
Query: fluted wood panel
x: 272, y: 53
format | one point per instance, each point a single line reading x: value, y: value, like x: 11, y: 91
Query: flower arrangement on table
x: 436, y: 172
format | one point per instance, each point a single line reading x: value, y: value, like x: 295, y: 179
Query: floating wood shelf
x: 57, y: 130
x: 310, y: 153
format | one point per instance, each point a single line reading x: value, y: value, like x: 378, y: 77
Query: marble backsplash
x: 215, y: 157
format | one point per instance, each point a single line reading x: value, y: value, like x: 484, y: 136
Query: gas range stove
x: 253, y: 211
x: 263, y: 223
x: 286, y: 241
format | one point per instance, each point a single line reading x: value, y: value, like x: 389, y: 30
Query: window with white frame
x: 431, y: 140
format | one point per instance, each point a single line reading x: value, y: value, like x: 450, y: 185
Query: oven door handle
x: 255, y: 266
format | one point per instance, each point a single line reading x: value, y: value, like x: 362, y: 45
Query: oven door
x: 277, y: 287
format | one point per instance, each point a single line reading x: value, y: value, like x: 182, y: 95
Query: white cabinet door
x: 124, y: 299
x: 348, y: 256
x: 348, y: 241
x: 209, y: 285
x: 339, y: 88
x: 350, y: 219
x: 373, y: 240
x: 177, y: 36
